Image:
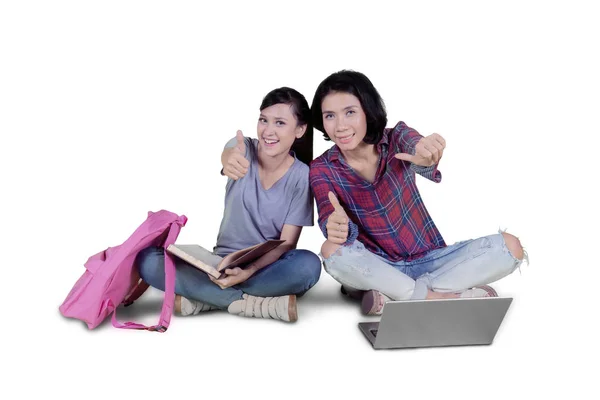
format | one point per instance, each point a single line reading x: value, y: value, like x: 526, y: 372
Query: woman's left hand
x: 234, y: 276
x: 428, y: 151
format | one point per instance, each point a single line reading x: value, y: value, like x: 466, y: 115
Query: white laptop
x: 444, y: 322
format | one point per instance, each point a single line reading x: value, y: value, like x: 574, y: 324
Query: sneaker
x: 352, y: 293
x: 185, y: 307
x: 479, y: 291
x: 372, y: 302
x: 281, y: 308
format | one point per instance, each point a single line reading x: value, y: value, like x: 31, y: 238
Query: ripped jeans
x: 457, y: 267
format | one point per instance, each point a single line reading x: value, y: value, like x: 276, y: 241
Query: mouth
x: 346, y: 139
x: 270, y: 142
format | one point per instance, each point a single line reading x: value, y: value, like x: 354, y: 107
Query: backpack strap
x: 169, y: 299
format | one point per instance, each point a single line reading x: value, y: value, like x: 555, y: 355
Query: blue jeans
x: 294, y: 272
x: 457, y: 267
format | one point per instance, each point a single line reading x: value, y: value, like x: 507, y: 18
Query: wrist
x: 332, y: 243
x: 251, y: 269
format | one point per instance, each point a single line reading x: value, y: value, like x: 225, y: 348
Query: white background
x: 111, y: 109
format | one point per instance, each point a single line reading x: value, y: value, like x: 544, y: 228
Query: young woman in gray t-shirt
x: 267, y: 196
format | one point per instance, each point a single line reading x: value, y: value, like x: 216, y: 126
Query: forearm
x: 270, y: 257
x: 405, y: 140
x: 321, y: 186
x: 432, y: 173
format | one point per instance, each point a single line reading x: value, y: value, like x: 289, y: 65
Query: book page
x: 197, y: 256
x: 242, y: 258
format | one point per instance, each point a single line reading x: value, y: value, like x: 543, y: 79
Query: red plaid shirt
x: 387, y: 216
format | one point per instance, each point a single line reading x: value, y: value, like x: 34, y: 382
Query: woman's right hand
x: 235, y: 164
x: 337, y: 223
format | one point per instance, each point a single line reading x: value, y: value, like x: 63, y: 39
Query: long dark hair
x: 303, y: 147
x: 358, y: 85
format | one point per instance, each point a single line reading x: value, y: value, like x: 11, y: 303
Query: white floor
x: 323, y: 354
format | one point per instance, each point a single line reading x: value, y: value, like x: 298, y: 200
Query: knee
x: 514, y: 245
x: 328, y: 248
x: 307, y: 265
x: 150, y: 263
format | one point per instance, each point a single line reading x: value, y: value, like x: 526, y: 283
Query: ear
x: 300, y: 130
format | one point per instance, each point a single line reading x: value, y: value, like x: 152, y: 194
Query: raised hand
x: 337, y: 223
x: 235, y: 164
x: 428, y: 151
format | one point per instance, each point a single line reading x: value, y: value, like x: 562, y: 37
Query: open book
x: 213, y: 265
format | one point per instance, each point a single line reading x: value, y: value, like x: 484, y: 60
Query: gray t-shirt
x: 253, y: 214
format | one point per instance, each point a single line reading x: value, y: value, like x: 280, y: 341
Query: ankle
x: 431, y: 295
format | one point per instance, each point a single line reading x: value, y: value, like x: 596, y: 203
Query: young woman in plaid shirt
x: 381, y: 242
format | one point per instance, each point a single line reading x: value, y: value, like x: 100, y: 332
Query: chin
x: 348, y: 146
x: 271, y: 152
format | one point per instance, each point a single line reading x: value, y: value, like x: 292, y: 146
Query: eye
x: 279, y: 123
x: 350, y: 112
x: 263, y: 120
x: 328, y: 116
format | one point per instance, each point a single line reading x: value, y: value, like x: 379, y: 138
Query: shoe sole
x: 490, y: 290
x: 292, y: 310
x: 368, y: 306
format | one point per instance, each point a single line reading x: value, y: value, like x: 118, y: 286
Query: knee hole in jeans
x: 514, y: 245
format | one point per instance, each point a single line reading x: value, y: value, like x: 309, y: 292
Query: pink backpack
x: 111, y: 278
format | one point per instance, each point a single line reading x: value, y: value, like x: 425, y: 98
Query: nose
x: 340, y: 125
x: 270, y: 129
x: 265, y: 129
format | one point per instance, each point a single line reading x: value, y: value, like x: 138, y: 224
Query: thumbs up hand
x: 241, y: 145
x: 337, y: 223
x: 235, y: 164
x: 428, y: 151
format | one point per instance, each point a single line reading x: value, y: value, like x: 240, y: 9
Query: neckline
x: 260, y: 184
x: 379, y: 172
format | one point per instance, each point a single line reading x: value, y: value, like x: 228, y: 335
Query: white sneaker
x: 479, y: 291
x: 280, y: 308
x: 185, y: 307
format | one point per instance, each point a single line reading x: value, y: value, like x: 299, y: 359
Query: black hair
x: 356, y: 84
x: 303, y: 147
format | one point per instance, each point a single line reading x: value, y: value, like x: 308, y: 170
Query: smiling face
x: 277, y: 130
x: 344, y: 120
